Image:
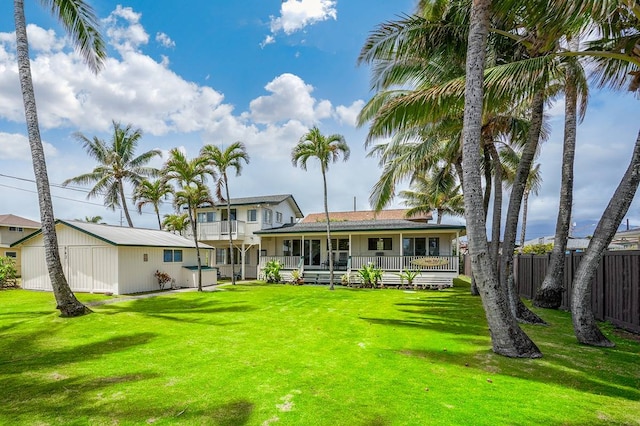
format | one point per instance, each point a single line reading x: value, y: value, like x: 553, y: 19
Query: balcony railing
x: 386, y: 263
x: 212, y: 231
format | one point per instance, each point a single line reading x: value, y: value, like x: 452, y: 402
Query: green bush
x: 8, y: 272
x: 272, y: 271
x: 538, y: 248
x: 408, y: 275
x: 370, y: 275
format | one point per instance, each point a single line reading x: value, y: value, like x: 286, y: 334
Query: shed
x: 101, y: 258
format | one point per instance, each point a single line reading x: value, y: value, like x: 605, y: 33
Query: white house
x: 104, y: 258
x: 248, y: 216
x: 12, y: 229
x: 387, y: 239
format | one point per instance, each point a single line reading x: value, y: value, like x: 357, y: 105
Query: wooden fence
x: 615, y: 287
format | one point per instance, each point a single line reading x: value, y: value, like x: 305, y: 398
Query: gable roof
x: 13, y: 220
x: 361, y: 225
x: 359, y: 215
x: 124, y: 236
x: 266, y: 200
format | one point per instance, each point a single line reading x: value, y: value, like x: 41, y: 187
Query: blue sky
x: 262, y: 72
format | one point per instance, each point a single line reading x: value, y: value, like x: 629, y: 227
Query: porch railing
x: 386, y: 263
x: 212, y: 231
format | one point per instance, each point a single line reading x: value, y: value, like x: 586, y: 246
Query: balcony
x: 219, y: 231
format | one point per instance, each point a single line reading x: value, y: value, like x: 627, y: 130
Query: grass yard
x: 284, y: 355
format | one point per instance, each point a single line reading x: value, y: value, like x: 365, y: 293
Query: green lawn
x: 285, y: 355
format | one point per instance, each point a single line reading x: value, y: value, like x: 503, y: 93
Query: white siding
x: 34, y: 269
x: 105, y: 269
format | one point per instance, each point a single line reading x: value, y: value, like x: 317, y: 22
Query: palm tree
x: 327, y: 149
x: 175, y: 222
x: 220, y: 161
x: 151, y: 192
x: 116, y: 166
x: 93, y: 219
x: 439, y: 192
x: 81, y: 24
x: 190, y: 178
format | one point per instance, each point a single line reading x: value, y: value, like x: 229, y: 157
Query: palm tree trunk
x: 326, y: 213
x: 496, y: 224
x: 124, y: 203
x: 525, y: 210
x: 231, y: 251
x: 507, y: 337
x: 549, y: 295
x: 66, y: 301
x: 194, y: 226
x: 487, y: 182
x: 584, y: 323
x: 155, y: 206
x: 520, y: 311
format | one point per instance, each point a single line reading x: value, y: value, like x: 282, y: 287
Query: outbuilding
x: 101, y: 258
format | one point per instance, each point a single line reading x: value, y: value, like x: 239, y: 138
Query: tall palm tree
x: 439, y: 192
x: 152, y: 192
x: 221, y: 161
x: 81, y: 24
x: 117, y: 165
x: 190, y: 179
x: 326, y: 149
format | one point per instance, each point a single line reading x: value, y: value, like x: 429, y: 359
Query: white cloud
x: 44, y: 40
x: 14, y: 146
x: 297, y: 14
x: 128, y: 35
x: 290, y: 99
x: 165, y: 40
x: 349, y: 114
x: 269, y: 39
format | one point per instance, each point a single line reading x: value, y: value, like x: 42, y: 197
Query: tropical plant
x: 409, y: 276
x: 345, y: 279
x: 438, y: 191
x: 163, y: 278
x: 220, y: 161
x: 8, y: 272
x: 326, y: 149
x: 176, y: 223
x: 117, y: 165
x: 81, y: 24
x: 370, y: 275
x: 271, y: 271
x: 91, y: 219
x: 296, y: 277
x: 189, y: 176
x: 152, y: 192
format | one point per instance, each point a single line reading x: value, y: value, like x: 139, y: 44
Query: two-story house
x: 12, y: 229
x: 248, y: 215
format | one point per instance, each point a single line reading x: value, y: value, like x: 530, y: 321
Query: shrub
x: 538, y: 248
x: 370, y: 275
x: 408, y: 275
x: 272, y: 271
x: 162, y: 278
x: 8, y: 272
x: 296, y: 277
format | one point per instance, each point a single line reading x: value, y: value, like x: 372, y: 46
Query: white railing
x: 287, y: 262
x: 211, y: 231
x: 416, y: 263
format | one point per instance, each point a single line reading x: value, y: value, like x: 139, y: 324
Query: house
x: 12, y: 229
x: 248, y: 215
x: 391, y: 244
x: 628, y: 239
x: 102, y: 258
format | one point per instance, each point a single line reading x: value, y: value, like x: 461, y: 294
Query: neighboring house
x: 102, y: 258
x: 393, y: 245
x: 248, y: 215
x: 12, y: 229
x: 628, y: 239
x: 392, y: 214
x: 573, y: 244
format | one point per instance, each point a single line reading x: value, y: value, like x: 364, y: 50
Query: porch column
x: 458, y: 251
x: 401, y: 253
x: 302, y: 251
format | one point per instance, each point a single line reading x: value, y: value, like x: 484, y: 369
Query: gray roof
x: 361, y: 225
x: 13, y: 220
x: 124, y: 236
x: 264, y: 199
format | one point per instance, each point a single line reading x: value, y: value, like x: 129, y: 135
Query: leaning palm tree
x: 439, y: 192
x: 117, y: 165
x: 220, y: 161
x: 81, y: 24
x: 326, y: 149
x: 151, y: 192
x: 175, y: 223
x: 190, y: 179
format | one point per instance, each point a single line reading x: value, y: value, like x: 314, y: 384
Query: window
x: 15, y: 229
x: 268, y: 216
x: 378, y: 244
x: 414, y: 246
x: 205, y: 217
x: 223, y: 256
x: 252, y: 215
x: 172, y: 256
x: 291, y: 248
x: 278, y: 217
x: 434, y: 246
x: 341, y: 244
x: 11, y: 254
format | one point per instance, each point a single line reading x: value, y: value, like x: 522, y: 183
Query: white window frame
x: 255, y: 215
